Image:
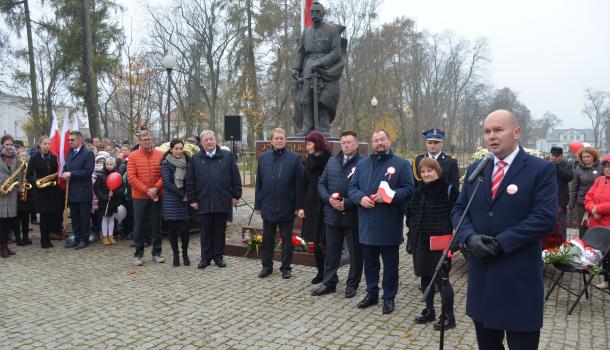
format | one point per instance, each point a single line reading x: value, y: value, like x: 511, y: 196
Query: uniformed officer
x: 434, y: 145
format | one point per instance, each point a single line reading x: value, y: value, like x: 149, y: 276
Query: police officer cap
x: 556, y: 150
x: 434, y: 134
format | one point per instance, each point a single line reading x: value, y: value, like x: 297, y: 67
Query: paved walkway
x: 96, y: 299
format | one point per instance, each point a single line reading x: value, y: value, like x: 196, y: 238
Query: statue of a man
x: 317, y: 69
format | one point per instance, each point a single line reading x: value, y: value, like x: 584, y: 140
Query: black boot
x: 319, y: 264
x: 173, y: 242
x: 185, y: 247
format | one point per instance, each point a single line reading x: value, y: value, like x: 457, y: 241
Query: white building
x: 15, y: 112
x: 563, y: 137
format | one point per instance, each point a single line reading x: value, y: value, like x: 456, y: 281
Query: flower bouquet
x: 480, y: 154
x: 574, y: 254
x: 252, y: 242
x: 298, y: 244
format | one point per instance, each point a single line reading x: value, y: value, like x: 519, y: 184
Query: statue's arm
x: 335, y: 53
x: 297, y: 67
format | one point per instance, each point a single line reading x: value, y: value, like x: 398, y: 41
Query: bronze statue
x: 317, y: 69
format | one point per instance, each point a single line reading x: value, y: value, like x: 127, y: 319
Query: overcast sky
x: 547, y: 51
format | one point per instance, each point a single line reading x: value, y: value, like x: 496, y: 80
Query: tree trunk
x: 38, y: 130
x: 90, y: 79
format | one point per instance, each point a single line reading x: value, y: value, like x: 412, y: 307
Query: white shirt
x: 435, y: 157
x: 509, y: 160
x: 211, y: 154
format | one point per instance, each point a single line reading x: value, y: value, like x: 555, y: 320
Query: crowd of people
x: 362, y: 200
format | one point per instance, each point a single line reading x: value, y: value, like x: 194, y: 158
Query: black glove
x: 483, y: 248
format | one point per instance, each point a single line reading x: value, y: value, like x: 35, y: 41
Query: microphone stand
x: 444, y: 266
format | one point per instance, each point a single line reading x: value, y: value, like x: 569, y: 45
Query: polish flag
x: 386, y: 193
x: 305, y: 15
x: 64, y: 148
x: 54, y: 138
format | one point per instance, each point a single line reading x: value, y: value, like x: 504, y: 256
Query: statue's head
x: 316, y: 12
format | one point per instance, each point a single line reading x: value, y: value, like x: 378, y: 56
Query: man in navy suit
x: 516, y: 206
x: 78, y: 169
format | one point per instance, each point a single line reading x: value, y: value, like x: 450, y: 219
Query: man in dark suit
x: 278, y: 173
x: 78, y: 169
x: 213, y: 187
x: 434, y: 145
x: 341, y: 218
x: 564, y: 176
x: 380, y: 216
x: 516, y: 206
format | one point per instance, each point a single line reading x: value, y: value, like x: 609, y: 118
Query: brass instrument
x: 49, y: 180
x: 25, y: 185
x: 11, y: 182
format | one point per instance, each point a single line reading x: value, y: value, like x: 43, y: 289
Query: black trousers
x: 334, y: 245
x: 6, y: 225
x: 22, y: 225
x: 446, y: 298
x: 491, y: 339
x: 80, y: 212
x: 389, y: 255
x: 147, y: 219
x: 49, y: 223
x: 178, y: 229
x: 269, y: 229
x: 212, y: 236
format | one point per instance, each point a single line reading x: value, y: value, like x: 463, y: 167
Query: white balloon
x: 586, y: 144
x: 121, y: 213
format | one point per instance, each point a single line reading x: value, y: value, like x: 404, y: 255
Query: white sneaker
x: 603, y: 285
x: 158, y: 259
x: 137, y: 261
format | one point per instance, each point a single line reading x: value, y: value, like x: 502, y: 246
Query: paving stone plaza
x: 96, y: 299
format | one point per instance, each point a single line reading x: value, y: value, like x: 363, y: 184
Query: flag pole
x: 302, y: 15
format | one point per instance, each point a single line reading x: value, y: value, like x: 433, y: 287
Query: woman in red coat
x: 597, y: 205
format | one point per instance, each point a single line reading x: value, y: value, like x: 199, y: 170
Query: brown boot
x: 105, y: 241
x: 4, y: 250
x: 56, y: 236
x: 111, y: 240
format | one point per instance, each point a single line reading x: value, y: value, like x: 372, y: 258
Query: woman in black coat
x: 50, y: 200
x: 174, y: 204
x: 428, y: 215
x: 311, y: 207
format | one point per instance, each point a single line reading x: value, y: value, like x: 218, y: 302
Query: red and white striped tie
x: 497, y: 178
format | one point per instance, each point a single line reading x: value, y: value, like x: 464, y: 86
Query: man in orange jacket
x: 144, y: 177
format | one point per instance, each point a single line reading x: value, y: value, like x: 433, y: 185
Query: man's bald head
x: 501, y: 132
x: 504, y: 114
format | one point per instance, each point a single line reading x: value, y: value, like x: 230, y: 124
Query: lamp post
x: 374, y: 105
x: 168, y: 62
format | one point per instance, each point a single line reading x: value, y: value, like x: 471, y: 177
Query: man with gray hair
x: 213, y: 186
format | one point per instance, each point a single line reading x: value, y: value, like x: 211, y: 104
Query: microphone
x: 482, y: 164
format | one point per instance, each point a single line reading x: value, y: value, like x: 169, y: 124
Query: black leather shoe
x: 368, y: 301
x: 449, y: 323
x: 203, y: 264
x: 27, y: 241
x: 319, y: 278
x: 264, y: 273
x: 425, y: 317
x: 220, y: 262
x: 323, y: 289
x: 286, y: 274
x: 388, y: 306
x: 71, y: 245
x: 350, y: 292
x: 81, y: 245
x: 187, y: 261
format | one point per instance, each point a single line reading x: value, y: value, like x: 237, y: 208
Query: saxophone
x: 49, y: 180
x: 11, y: 182
x: 25, y: 185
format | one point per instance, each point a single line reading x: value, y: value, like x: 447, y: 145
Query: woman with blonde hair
x: 585, y: 173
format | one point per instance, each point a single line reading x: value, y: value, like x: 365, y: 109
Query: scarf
x: 180, y: 164
x: 8, y: 156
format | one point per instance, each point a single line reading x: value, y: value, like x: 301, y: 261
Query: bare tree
x: 597, y: 110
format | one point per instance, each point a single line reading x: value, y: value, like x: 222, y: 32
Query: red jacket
x: 144, y: 172
x: 598, y: 196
